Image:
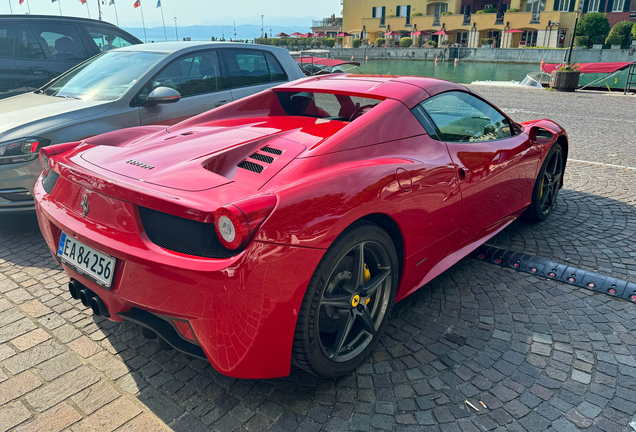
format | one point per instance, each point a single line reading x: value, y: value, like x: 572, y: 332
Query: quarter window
x: 461, y: 117
x: 276, y: 71
x: 60, y: 41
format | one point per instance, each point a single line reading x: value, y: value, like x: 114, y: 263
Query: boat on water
x: 317, y: 62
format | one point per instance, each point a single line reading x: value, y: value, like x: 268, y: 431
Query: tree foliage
x: 619, y: 34
x: 357, y: 43
x: 406, y: 42
x: 595, y: 26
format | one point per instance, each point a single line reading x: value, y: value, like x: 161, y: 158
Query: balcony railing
x: 536, y: 18
x: 500, y: 19
x: 436, y: 20
x: 466, y: 20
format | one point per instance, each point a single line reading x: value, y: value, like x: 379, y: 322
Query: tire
x: 340, y: 321
x: 544, y: 196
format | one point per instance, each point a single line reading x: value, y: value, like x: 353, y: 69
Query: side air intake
x: 272, y: 150
x: 251, y: 166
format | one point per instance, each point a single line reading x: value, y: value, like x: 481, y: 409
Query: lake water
x: 467, y: 72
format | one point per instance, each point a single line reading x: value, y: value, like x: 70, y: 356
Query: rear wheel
x: 547, y: 186
x: 347, y: 303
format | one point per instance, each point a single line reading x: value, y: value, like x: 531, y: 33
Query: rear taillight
x: 47, y: 152
x: 236, y: 223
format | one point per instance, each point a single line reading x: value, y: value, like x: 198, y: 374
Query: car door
x: 47, y: 49
x: 251, y: 71
x: 10, y: 80
x: 200, y: 80
x: 496, y: 164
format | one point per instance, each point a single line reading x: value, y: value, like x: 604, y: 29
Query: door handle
x: 461, y: 172
x: 221, y: 103
x: 36, y: 70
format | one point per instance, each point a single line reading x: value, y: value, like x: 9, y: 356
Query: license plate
x: 87, y: 260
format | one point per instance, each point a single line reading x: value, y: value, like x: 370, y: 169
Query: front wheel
x: 347, y: 303
x: 547, y: 186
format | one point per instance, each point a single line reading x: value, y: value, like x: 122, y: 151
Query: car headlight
x: 21, y: 150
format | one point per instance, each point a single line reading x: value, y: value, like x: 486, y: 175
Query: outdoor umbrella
x: 282, y: 34
x: 343, y: 34
x: 514, y: 31
x: 319, y: 34
x: 296, y: 34
x: 306, y: 35
x: 418, y: 33
x: 441, y: 33
x: 393, y: 33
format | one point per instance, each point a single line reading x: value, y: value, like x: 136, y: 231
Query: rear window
x: 328, y: 106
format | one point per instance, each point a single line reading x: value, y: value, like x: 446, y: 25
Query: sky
x: 188, y: 12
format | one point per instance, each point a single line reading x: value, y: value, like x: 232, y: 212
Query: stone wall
x: 512, y: 55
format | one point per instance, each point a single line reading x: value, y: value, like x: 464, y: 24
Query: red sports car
x: 282, y: 227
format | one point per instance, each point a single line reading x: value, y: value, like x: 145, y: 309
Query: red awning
x: 325, y: 62
x: 591, y: 67
x: 441, y: 33
x: 514, y: 31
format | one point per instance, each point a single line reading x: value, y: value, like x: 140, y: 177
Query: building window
x: 439, y: 8
x: 536, y: 6
x: 402, y: 11
x: 618, y: 6
x: 594, y: 5
x: 564, y: 5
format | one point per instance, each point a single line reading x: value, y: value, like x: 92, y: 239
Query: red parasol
x: 344, y: 34
x: 393, y: 33
x: 514, y: 31
x: 319, y: 34
x: 296, y: 34
x: 282, y: 34
x: 441, y: 33
x: 306, y: 35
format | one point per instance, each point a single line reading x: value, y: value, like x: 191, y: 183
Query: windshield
x: 105, y: 77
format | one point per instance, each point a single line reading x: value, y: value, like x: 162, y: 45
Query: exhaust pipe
x: 98, y: 306
x: 74, y: 288
x: 85, y: 296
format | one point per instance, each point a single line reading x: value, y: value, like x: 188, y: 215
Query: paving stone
x: 54, y: 420
x: 30, y: 339
x: 94, y: 397
x: 109, y: 417
x: 61, y: 388
x: 57, y: 366
x: 33, y: 357
x: 12, y: 415
x: 17, y: 386
x: 84, y: 346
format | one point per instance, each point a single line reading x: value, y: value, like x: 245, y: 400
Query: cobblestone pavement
x: 539, y: 354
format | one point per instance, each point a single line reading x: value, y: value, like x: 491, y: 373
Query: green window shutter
x: 610, y: 4
x: 556, y: 5
x: 601, y: 6
x: 383, y: 12
x: 397, y: 11
x: 572, y: 4
x: 408, y: 11
x: 373, y: 13
x: 627, y: 5
x: 586, y: 3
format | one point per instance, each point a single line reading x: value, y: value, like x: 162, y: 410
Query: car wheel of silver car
x: 547, y: 185
x: 347, y: 303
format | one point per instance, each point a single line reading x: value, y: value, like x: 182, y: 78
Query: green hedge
x: 406, y: 42
x: 513, y: 10
x: 619, y: 34
x: 357, y: 43
x: 431, y: 43
x: 379, y: 42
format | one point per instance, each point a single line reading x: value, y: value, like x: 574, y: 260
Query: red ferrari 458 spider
x: 282, y: 228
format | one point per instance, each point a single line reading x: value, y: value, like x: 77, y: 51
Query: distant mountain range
x: 205, y: 32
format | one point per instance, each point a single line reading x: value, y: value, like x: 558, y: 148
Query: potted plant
x: 486, y: 43
x: 565, y: 77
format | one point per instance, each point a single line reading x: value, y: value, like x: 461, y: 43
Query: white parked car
x: 161, y: 83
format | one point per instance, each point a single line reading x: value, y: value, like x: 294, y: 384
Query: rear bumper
x: 242, y: 310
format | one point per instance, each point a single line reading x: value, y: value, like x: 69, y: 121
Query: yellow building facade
x: 509, y: 23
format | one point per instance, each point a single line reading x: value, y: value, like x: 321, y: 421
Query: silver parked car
x: 161, y: 83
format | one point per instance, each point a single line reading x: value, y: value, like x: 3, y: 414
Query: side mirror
x: 162, y: 95
x: 541, y: 136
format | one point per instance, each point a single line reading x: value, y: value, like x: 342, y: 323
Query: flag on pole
x: 21, y: 1
x: 112, y: 2
x: 158, y: 3
x: 83, y: 1
x: 137, y: 3
x: 53, y: 1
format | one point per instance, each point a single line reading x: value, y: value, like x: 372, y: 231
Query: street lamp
x: 176, y: 32
x: 261, y: 25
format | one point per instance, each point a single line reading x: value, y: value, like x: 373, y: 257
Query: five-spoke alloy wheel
x: 348, y: 302
x: 547, y: 186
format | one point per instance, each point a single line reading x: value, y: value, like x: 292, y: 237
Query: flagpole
x: 142, y: 22
x: 164, y: 21
x: 89, y: 11
x: 116, y: 16
x: 10, y: 7
x: 59, y: 3
x: 29, y: 7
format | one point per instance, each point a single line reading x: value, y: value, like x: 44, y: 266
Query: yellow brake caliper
x: 367, y: 277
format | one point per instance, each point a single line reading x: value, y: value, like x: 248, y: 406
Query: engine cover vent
x: 272, y: 150
x: 251, y: 166
x: 262, y: 158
